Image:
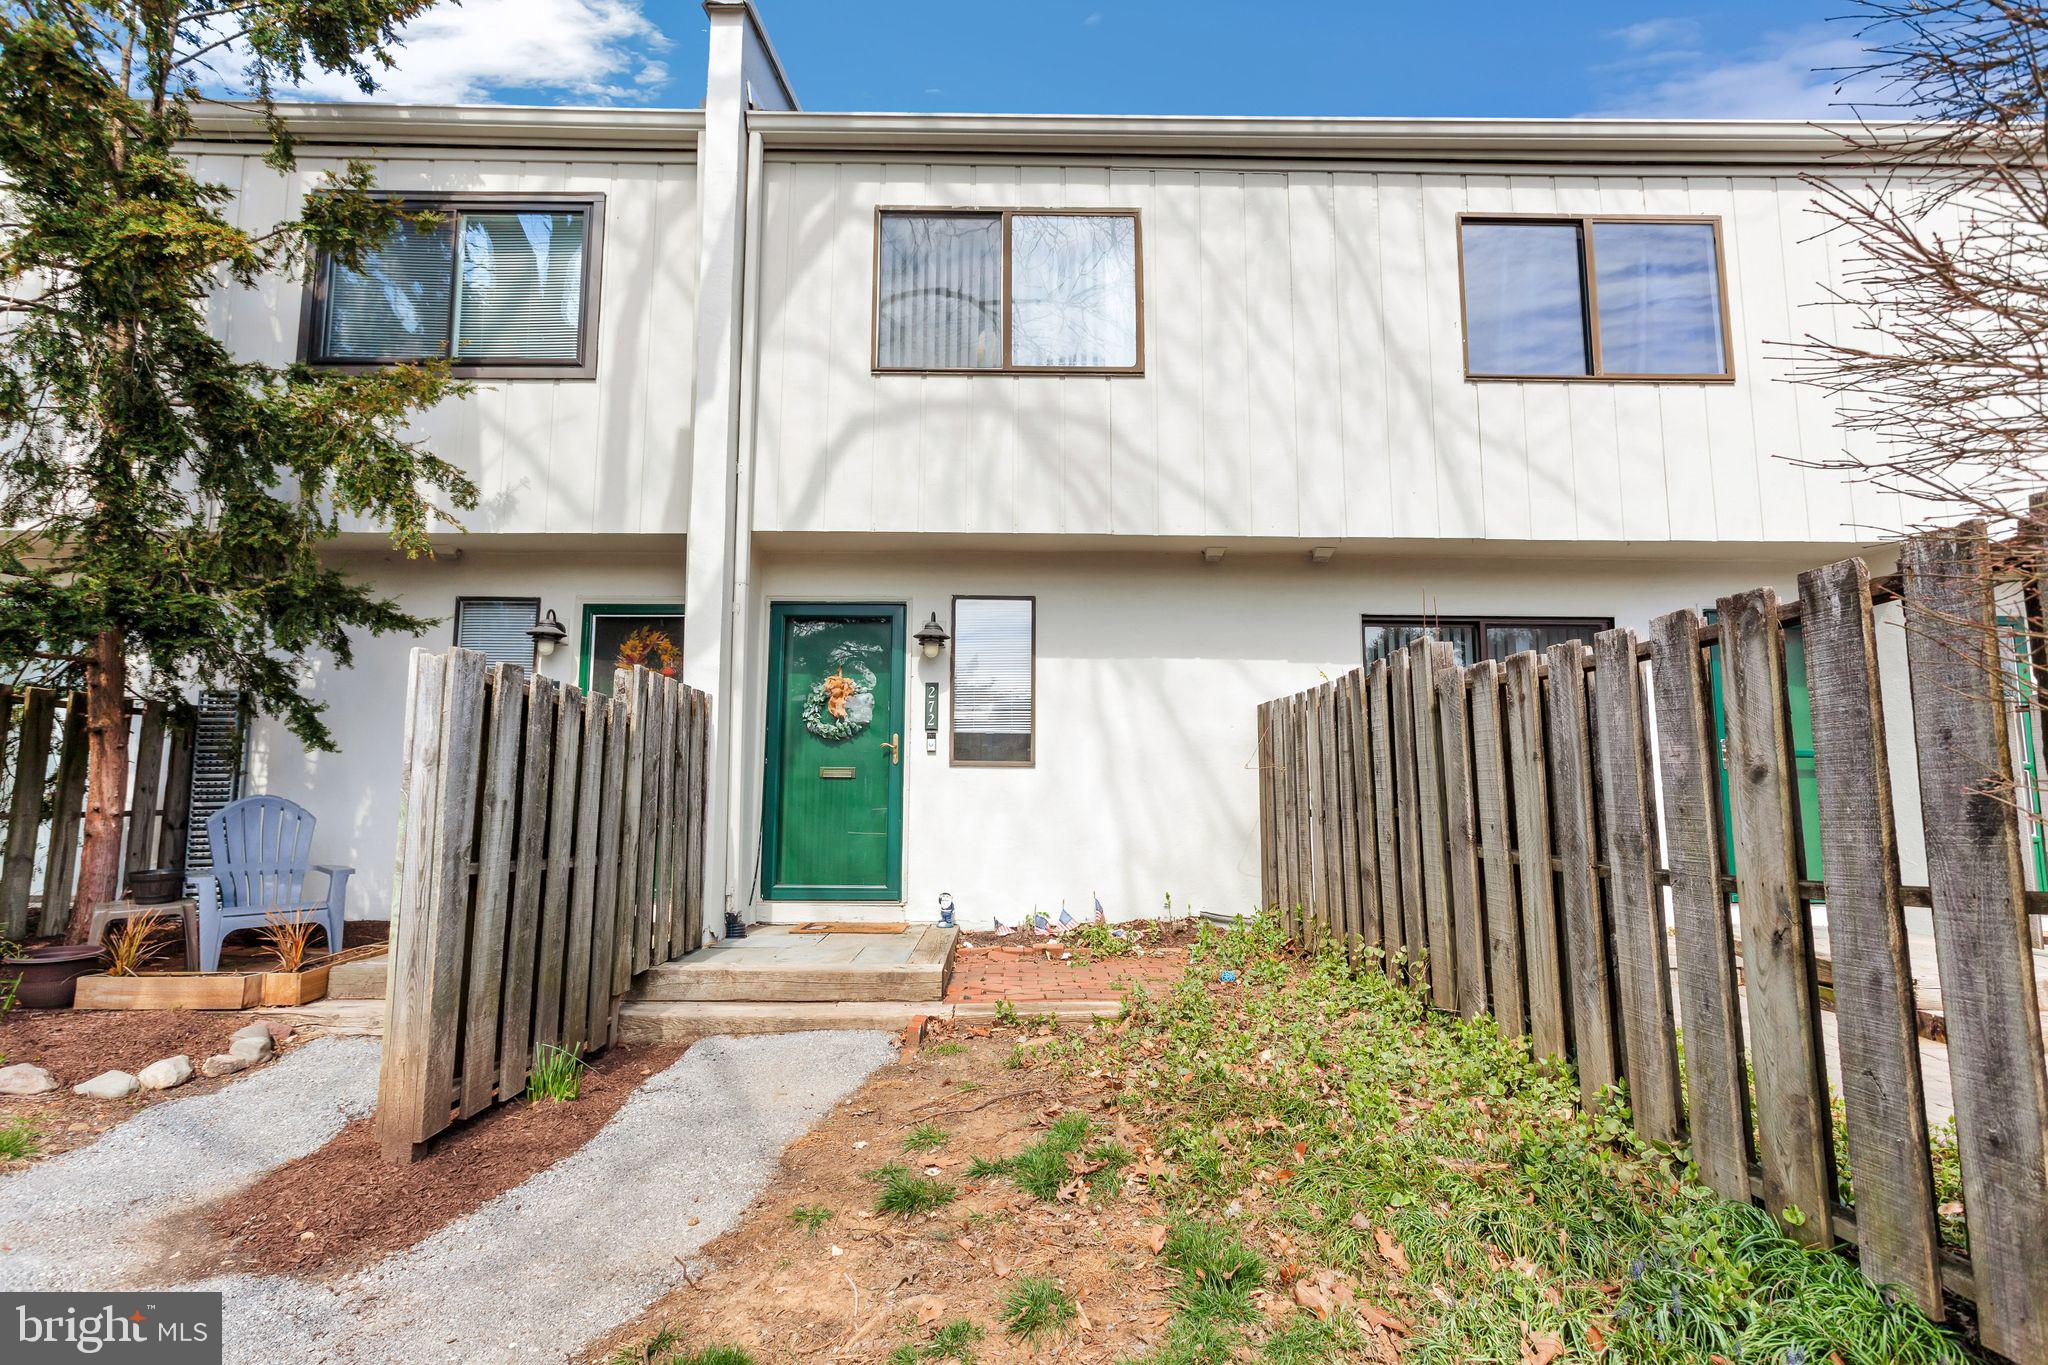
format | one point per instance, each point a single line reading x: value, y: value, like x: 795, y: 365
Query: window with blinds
x: 496, y: 627
x: 1474, y: 638
x: 503, y: 288
x: 1019, y: 290
x: 993, y: 655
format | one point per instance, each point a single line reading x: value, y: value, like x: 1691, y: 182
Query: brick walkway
x: 1036, y: 975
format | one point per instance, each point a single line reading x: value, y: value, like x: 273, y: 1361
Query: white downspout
x: 744, y: 823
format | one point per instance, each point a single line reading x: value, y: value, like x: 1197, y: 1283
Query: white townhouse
x: 988, y: 471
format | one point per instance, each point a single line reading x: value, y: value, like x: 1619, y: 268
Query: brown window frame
x: 953, y: 682
x: 1005, y: 214
x: 1479, y: 625
x: 1589, y: 285
x: 313, y: 306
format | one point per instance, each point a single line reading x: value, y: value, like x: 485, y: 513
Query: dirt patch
x: 862, y: 1284
x: 1151, y: 934
x: 344, y: 1206
x: 77, y: 1045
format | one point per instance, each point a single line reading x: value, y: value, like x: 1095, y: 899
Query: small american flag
x: 1003, y: 930
x: 1100, y: 918
x: 1066, y: 920
x: 1040, y: 925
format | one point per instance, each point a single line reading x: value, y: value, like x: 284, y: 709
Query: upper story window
x: 1594, y: 298
x: 1473, y: 638
x: 1020, y: 290
x: 503, y: 288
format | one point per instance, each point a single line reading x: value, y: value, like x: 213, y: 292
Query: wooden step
x: 772, y: 965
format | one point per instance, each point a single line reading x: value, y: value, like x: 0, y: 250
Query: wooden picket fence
x: 550, y: 848
x: 1494, y: 833
x: 42, y: 801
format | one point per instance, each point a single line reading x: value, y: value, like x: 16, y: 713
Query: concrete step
x: 773, y: 966
x: 362, y: 979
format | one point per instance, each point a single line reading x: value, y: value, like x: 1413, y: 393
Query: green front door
x: 1806, y: 778
x: 832, y: 799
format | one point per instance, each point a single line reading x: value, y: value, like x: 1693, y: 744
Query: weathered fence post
x: 1875, y: 1023
x: 1980, y: 927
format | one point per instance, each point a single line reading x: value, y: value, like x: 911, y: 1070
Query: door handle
x: 894, y: 744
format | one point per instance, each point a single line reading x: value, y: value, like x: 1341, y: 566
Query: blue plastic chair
x: 262, y: 848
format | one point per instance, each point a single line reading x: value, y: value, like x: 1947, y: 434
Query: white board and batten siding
x: 1303, y: 373
x: 563, y: 456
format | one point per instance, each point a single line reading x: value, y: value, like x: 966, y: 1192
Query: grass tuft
x: 557, y: 1075
x: 954, y: 1341
x: 1061, y: 1157
x: 19, y: 1141
x: 926, y: 1137
x: 1037, y: 1309
x: 664, y: 1348
x: 946, y: 1049
x: 810, y: 1217
x: 907, y: 1194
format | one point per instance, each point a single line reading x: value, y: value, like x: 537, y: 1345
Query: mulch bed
x: 344, y: 1206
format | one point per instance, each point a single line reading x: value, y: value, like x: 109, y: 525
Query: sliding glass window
x: 499, y: 288
x: 1594, y: 298
x: 1009, y: 290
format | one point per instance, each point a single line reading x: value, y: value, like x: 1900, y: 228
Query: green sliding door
x: 1807, y: 780
x: 832, y: 798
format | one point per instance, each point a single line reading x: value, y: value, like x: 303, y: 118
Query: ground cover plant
x: 1415, y: 1185
x: 1310, y: 1166
x: 557, y: 1075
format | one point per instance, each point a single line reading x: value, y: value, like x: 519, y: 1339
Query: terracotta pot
x: 46, y: 978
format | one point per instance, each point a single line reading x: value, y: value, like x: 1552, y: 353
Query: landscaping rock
x: 249, y: 1050
x: 223, y: 1064
x: 258, y: 1032
x: 108, y: 1085
x: 162, y: 1075
x: 25, y: 1078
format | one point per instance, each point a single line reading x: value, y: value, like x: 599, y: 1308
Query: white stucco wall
x: 354, y: 792
x: 1149, y: 670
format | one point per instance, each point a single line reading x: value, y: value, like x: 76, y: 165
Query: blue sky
x: 1740, y: 58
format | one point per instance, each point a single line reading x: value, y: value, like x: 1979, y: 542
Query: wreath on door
x: 841, y: 704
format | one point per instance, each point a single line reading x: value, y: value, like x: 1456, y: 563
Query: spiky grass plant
x: 906, y: 1194
x: 557, y: 1075
x: 953, y: 1341
x: 139, y: 939
x: 288, y: 937
x: 1036, y: 1310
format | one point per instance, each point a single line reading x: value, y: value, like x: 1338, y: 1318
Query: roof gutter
x: 1635, y: 141
x: 496, y: 126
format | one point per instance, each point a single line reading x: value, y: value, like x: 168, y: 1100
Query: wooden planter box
x: 301, y: 987
x: 169, y: 991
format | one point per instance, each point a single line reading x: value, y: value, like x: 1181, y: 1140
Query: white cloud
x: 1092, y: 20
x: 1666, y: 71
x: 462, y: 54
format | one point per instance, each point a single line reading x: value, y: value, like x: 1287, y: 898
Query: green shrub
x: 19, y: 1141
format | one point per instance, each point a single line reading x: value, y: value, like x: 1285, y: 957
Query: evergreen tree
x: 164, y: 502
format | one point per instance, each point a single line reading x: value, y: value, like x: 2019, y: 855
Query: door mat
x: 847, y: 926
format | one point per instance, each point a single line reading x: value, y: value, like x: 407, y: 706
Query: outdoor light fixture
x: 1212, y: 554
x: 932, y: 637
x: 547, y: 634
x: 1322, y: 554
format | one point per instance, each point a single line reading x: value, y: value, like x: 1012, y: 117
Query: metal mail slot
x: 835, y: 774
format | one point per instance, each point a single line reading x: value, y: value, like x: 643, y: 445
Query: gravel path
x: 79, y: 1220
x: 530, y: 1275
